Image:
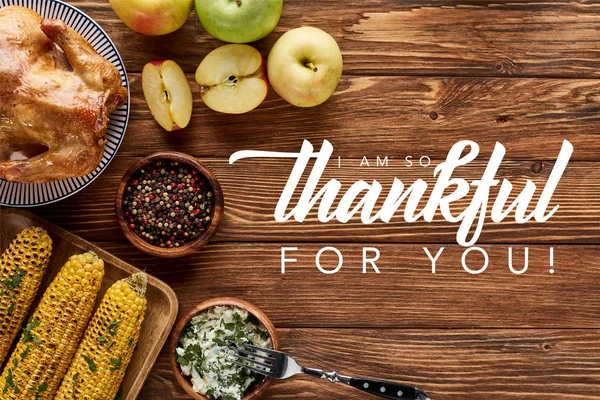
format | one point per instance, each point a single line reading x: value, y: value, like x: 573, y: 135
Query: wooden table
x: 419, y: 76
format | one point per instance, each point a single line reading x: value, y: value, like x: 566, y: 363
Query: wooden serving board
x: 162, y: 301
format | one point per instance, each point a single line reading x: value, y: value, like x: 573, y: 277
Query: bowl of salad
x: 200, y: 356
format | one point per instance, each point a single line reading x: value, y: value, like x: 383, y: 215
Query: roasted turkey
x: 56, y: 94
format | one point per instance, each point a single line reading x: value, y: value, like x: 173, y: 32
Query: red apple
x: 168, y: 94
x: 233, y: 79
x: 153, y: 17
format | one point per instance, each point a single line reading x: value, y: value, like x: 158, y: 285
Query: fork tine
x: 256, y: 370
x: 255, y: 362
x: 270, y: 352
x: 248, y: 353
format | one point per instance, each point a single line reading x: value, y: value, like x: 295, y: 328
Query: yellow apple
x: 305, y: 66
x: 168, y: 94
x: 233, y: 79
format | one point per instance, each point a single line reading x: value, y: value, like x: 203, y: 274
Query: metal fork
x: 278, y: 365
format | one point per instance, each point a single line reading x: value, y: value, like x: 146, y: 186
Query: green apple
x: 305, y: 66
x: 239, y: 21
x: 153, y: 17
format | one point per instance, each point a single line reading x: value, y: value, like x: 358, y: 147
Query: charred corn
x: 50, y: 338
x: 99, y: 365
x: 22, y: 267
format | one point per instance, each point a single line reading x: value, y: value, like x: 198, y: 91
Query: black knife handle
x: 389, y: 390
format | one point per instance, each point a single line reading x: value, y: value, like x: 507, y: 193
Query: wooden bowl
x: 187, y: 248
x: 262, y: 386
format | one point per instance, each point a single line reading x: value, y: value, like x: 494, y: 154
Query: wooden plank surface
x: 252, y: 189
x: 396, y: 115
x: 405, y: 294
x: 419, y: 76
x: 466, y: 38
x: 513, y: 364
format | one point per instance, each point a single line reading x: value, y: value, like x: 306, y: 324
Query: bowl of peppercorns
x: 169, y: 204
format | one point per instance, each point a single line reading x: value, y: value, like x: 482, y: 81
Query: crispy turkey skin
x: 56, y: 94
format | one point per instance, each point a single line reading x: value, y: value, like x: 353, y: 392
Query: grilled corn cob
x: 22, y: 267
x: 107, y: 346
x: 49, y: 340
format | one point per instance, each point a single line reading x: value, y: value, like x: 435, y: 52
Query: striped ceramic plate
x: 29, y: 195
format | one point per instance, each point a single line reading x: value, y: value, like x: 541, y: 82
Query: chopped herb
x: 253, y: 320
x: 230, y: 326
x: 183, y: 361
x: 15, y: 362
x: 116, y: 364
x: 10, y: 383
x: 40, y: 389
x: 25, y: 353
x: 113, y: 327
x: 91, y: 364
x: 75, y: 377
x: 11, y: 308
x: 27, y: 335
x: 32, y: 324
x: 111, y: 344
x: 131, y: 342
x: 101, y: 340
x: 15, y: 279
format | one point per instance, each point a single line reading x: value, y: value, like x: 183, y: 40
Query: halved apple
x: 233, y: 79
x: 168, y: 94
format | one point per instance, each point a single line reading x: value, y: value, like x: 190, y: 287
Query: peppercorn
x: 168, y: 204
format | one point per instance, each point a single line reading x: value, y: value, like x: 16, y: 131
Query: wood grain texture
x: 465, y: 38
x: 448, y: 364
x: 405, y: 295
x: 398, y: 115
x: 419, y: 76
x: 252, y: 188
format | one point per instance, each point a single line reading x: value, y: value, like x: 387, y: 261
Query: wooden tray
x: 162, y: 301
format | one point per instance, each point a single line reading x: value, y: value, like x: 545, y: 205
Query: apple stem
x: 312, y: 66
x: 238, y: 2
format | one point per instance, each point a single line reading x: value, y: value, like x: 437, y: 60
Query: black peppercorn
x: 168, y: 204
